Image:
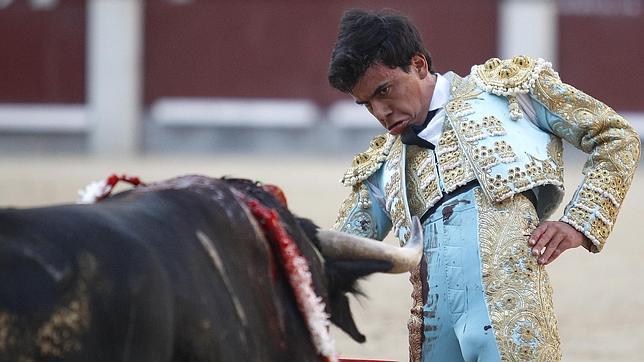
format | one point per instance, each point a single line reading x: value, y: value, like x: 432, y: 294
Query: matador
x: 479, y: 160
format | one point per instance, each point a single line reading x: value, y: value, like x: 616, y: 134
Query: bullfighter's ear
x: 343, y: 276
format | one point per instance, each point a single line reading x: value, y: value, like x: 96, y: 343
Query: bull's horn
x: 339, y: 245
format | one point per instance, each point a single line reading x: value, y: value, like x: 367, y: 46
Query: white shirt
x: 440, y: 97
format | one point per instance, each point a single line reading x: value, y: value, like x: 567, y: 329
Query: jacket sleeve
x: 611, y: 143
x: 362, y: 212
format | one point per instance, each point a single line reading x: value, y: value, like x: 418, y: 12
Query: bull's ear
x: 343, y: 276
x: 341, y: 317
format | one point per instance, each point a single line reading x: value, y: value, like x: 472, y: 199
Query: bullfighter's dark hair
x: 369, y: 37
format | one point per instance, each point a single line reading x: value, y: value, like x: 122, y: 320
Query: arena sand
x: 599, y: 299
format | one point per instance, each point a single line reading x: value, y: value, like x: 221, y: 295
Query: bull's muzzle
x: 340, y: 245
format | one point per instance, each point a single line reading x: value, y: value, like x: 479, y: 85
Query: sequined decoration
x: 453, y: 165
x: 360, y: 223
x: 415, y: 323
x: 517, y: 288
x: 473, y: 131
x: 394, y: 204
x: 366, y: 163
x: 490, y: 157
x: 422, y: 182
x: 520, y: 178
x: 515, y: 109
x: 509, y: 77
x: 614, y: 149
x: 354, y: 216
x: 347, y: 205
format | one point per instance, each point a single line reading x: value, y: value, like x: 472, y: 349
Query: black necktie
x: 410, y: 136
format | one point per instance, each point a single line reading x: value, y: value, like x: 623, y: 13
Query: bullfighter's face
x: 398, y: 99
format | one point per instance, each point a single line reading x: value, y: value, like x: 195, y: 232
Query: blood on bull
x: 188, y: 269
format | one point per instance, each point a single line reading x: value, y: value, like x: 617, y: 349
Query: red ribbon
x: 114, y: 179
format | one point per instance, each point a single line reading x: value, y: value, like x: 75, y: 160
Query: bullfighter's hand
x: 556, y: 237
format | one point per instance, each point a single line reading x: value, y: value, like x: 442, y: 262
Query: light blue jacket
x: 503, y: 126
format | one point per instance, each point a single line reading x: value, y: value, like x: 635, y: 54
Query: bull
x: 180, y: 270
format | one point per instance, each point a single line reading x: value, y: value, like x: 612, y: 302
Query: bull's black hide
x: 177, y: 271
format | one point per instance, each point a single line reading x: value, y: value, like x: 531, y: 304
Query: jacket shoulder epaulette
x: 509, y: 77
x: 368, y: 162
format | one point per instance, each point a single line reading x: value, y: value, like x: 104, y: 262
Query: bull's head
x: 349, y: 258
x: 77, y: 275
x: 343, y: 258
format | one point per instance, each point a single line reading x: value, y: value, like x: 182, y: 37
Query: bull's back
x: 164, y: 275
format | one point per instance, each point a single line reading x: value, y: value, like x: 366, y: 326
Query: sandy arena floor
x: 599, y: 299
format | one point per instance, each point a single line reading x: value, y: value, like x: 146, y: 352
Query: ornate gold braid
x: 508, y: 77
x: 366, y: 163
x: 347, y: 205
x: 614, y: 149
x: 517, y: 289
x: 415, y: 323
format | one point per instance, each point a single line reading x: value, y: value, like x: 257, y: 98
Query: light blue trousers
x: 486, y: 298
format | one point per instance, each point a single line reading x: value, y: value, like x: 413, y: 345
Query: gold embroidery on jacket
x: 347, y: 205
x: 508, y: 77
x: 394, y: 202
x: 555, y: 152
x: 355, y: 217
x: 422, y: 183
x: 517, y: 289
x: 453, y: 167
x: 498, y: 186
x: 521, y: 178
x: 488, y: 127
x: 614, y: 149
x: 395, y: 156
x: 490, y: 157
x: 493, y: 126
x: 366, y: 163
